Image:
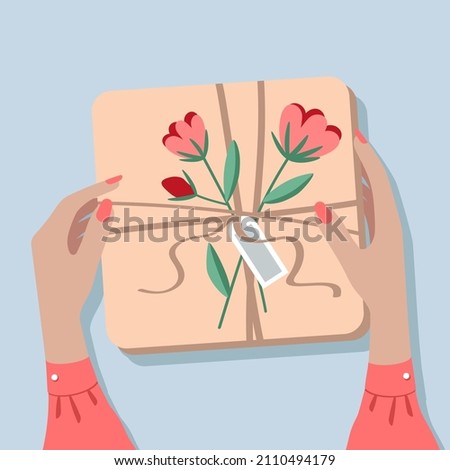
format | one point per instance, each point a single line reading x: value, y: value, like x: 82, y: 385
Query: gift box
x: 181, y: 269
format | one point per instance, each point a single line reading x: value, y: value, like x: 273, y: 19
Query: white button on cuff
x: 406, y: 376
x: 55, y: 377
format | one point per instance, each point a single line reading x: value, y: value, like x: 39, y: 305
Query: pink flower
x: 311, y: 124
x: 187, y: 138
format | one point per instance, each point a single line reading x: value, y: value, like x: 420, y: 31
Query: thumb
x: 94, y: 236
x: 335, y: 233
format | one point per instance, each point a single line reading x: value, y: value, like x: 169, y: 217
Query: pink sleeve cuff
x: 70, y: 378
x: 391, y: 380
x: 390, y: 415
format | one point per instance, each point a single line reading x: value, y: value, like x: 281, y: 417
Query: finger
x: 367, y: 197
x: 371, y: 162
x: 365, y: 176
x: 385, y: 208
x: 67, y: 209
x: 79, y: 224
x: 335, y: 233
x: 92, y: 243
x: 369, y: 211
x: 387, y: 224
x: 85, y: 211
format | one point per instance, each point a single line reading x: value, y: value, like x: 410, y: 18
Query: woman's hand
x: 376, y: 272
x: 66, y: 253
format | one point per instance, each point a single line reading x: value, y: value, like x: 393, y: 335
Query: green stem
x: 210, y: 200
x: 238, y: 266
x: 233, y: 282
x: 213, y: 176
x: 261, y: 205
x: 263, y: 297
x: 272, y: 184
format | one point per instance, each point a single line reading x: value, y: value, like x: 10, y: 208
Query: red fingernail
x: 114, y: 179
x: 323, y: 212
x: 360, y: 137
x: 104, y: 210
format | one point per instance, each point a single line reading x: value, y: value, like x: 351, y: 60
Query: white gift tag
x: 261, y: 258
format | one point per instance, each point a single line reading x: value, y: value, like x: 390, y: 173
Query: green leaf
x: 197, y: 147
x: 301, y: 157
x: 287, y: 138
x: 182, y: 198
x: 288, y: 189
x: 300, y: 146
x: 306, y: 160
x: 191, y: 183
x: 278, y: 145
x: 231, y: 171
x: 216, y: 271
x: 307, y: 153
x: 190, y: 157
x: 205, y: 150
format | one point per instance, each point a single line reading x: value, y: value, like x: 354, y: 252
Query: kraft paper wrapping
x: 157, y: 293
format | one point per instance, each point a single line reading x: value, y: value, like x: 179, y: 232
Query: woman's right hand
x: 377, y: 272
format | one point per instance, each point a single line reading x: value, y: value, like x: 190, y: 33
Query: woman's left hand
x: 66, y: 253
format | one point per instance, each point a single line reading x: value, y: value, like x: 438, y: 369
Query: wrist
x: 389, y: 333
x: 64, y: 340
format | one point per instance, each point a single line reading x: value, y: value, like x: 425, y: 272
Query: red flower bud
x: 177, y: 186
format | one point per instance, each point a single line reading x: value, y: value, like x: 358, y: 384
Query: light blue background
x: 56, y: 57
